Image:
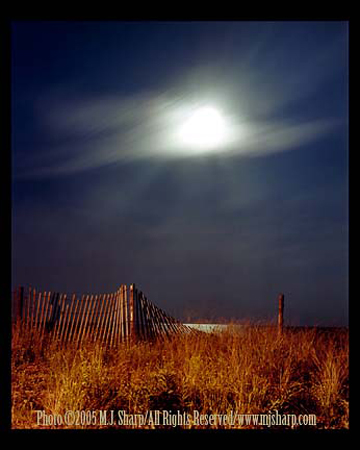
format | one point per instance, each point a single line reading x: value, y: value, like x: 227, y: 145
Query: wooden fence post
x: 281, y: 314
x: 122, y: 323
x: 126, y: 313
x: 132, y: 312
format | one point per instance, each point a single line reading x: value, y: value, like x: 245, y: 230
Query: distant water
x: 210, y: 327
x: 216, y: 327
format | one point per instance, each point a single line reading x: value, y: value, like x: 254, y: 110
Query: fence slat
x: 139, y: 314
x: 160, y: 314
x: 54, y: 319
x: 122, y: 332
x: 70, y: 320
x: 103, y: 318
x: 89, y: 310
x: 139, y: 331
x: 62, y: 314
x: 100, y: 315
x: 116, y: 319
x: 113, y: 321
x: 156, y: 320
x: 126, y: 315
x: 33, y: 309
x: 37, y: 308
x: 91, y: 314
x: 83, y: 319
x: 55, y: 313
x: 74, y: 311
x: 152, y: 320
x: 43, y: 326
x: 95, y: 318
x: 106, y: 321
x: 123, y: 314
x: 170, y: 321
x: 136, y: 326
x: 109, y: 320
x: 149, y: 328
x: 42, y: 310
x: 172, y: 325
x: 143, y: 318
x: 65, y: 321
x: 117, y: 338
x: 166, y: 323
x: 75, y: 332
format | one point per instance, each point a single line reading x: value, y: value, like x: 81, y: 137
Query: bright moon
x: 204, y: 129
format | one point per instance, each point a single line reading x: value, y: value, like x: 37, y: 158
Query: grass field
x: 252, y: 371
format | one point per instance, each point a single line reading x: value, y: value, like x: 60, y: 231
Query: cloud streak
x: 86, y: 133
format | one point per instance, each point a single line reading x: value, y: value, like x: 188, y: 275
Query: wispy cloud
x: 88, y: 132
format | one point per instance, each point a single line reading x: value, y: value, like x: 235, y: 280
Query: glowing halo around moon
x: 204, y: 130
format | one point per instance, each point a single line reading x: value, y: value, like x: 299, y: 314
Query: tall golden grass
x: 252, y: 370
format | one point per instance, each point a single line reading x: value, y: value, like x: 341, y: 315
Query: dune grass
x: 252, y: 371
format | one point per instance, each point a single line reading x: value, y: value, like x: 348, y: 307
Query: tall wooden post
x: 281, y: 313
x: 132, y: 312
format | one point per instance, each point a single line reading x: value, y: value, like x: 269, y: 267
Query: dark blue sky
x: 103, y: 194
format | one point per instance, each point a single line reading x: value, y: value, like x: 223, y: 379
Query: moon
x: 204, y: 129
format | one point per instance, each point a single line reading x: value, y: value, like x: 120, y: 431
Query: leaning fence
x: 110, y: 319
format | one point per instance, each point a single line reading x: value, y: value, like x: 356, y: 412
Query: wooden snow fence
x: 110, y: 319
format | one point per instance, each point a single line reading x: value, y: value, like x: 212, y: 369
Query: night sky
x: 104, y: 192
